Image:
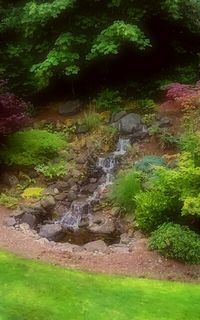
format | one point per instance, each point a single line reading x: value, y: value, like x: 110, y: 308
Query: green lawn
x: 31, y: 290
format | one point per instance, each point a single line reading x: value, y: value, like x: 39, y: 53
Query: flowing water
x: 81, y: 211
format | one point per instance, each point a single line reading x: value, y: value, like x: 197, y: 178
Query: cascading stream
x: 81, y: 209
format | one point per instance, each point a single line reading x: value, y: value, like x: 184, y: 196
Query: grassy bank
x: 31, y: 290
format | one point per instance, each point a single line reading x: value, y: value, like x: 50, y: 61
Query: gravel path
x: 140, y: 262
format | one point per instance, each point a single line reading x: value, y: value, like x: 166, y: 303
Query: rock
x: 115, y: 211
x: 130, y: 123
x: 117, y: 116
x: 72, y: 195
x: 93, y: 180
x: 52, y: 232
x: 62, y: 185
x: 107, y: 227
x: 125, y: 239
x: 61, y: 196
x: 119, y: 248
x: 81, y: 159
x: 10, y: 180
x: 28, y: 219
x: 48, y: 203
x: 10, y: 222
x: 89, y: 188
x: 82, y: 129
x: 164, y: 122
x: 96, y: 246
x: 24, y: 227
x: 70, y: 107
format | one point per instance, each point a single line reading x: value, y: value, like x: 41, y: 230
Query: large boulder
x: 102, y: 225
x: 48, y: 203
x: 96, y: 246
x: 130, y: 123
x: 70, y: 107
x: 29, y: 219
x: 116, y: 116
x: 52, y: 232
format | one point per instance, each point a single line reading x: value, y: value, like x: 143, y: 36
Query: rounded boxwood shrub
x: 148, y: 163
x: 178, y: 242
x: 31, y: 147
x: 153, y: 208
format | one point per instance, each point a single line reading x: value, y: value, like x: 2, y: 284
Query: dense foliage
x: 125, y: 188
x: 175, y: 241
x: 13, y: 112
x: 42, y: 40
x: 31, y: 147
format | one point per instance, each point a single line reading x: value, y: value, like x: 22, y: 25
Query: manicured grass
x: 31, y: 290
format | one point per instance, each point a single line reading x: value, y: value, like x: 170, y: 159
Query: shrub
x: 148, y: 163
x: 31, y: 147
x: 91, y: 120
x: 125, y: 188
x: 190, y: 142
x: 13, y: 115
x: 8, y: 201
x: 153, y: 209
x: 32, y: 193
x: 108, y: 100
x: 53, y: 170
x: 175, y: 241
x: 147, y: 106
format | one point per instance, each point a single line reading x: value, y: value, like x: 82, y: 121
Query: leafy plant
x: 32, y: 193
x: 8, y: 201
x: 125, y: 188
x: 148, y: 163
x: 175, y: 241
x: 147, y: 106
x: 190, y: 142
x: 91, y: 120
x: 53, y: 170
x: 108, y: 100
x: 31, y: 147
x: 168, y: 139
x: 14, y: 112
x: 153, y: 208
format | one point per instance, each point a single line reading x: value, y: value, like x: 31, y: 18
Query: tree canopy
x: 42, y: 40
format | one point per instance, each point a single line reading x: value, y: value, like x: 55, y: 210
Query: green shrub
x: 108, y: 100
x: 148, y: 163
x: 190, y: 142
x: 147, y: 106
x: 178, y: 242
x: 32, y: 147
x: 91, y: 120
x: 125, y: 188
x: 8, y: 201
x: 153, y: 209
x: 53, y: 170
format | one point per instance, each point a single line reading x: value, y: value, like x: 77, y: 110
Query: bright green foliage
x: 32, y: 193
x: 148, y: 163
x: 31, y: 147
x: 190, y: 142
x: 110, y: 39
x: 34, y: 291
x: 108, y: 100
x: 175, y: 241
x: 168, y: 191
x: 91, y: 120
x: 147, y: 106
x: 153, y: 208
x: 126, y: 186
x: 53, y: 170
x: 41, y: 40
x: 191, y: 206
x: 8, y: 201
